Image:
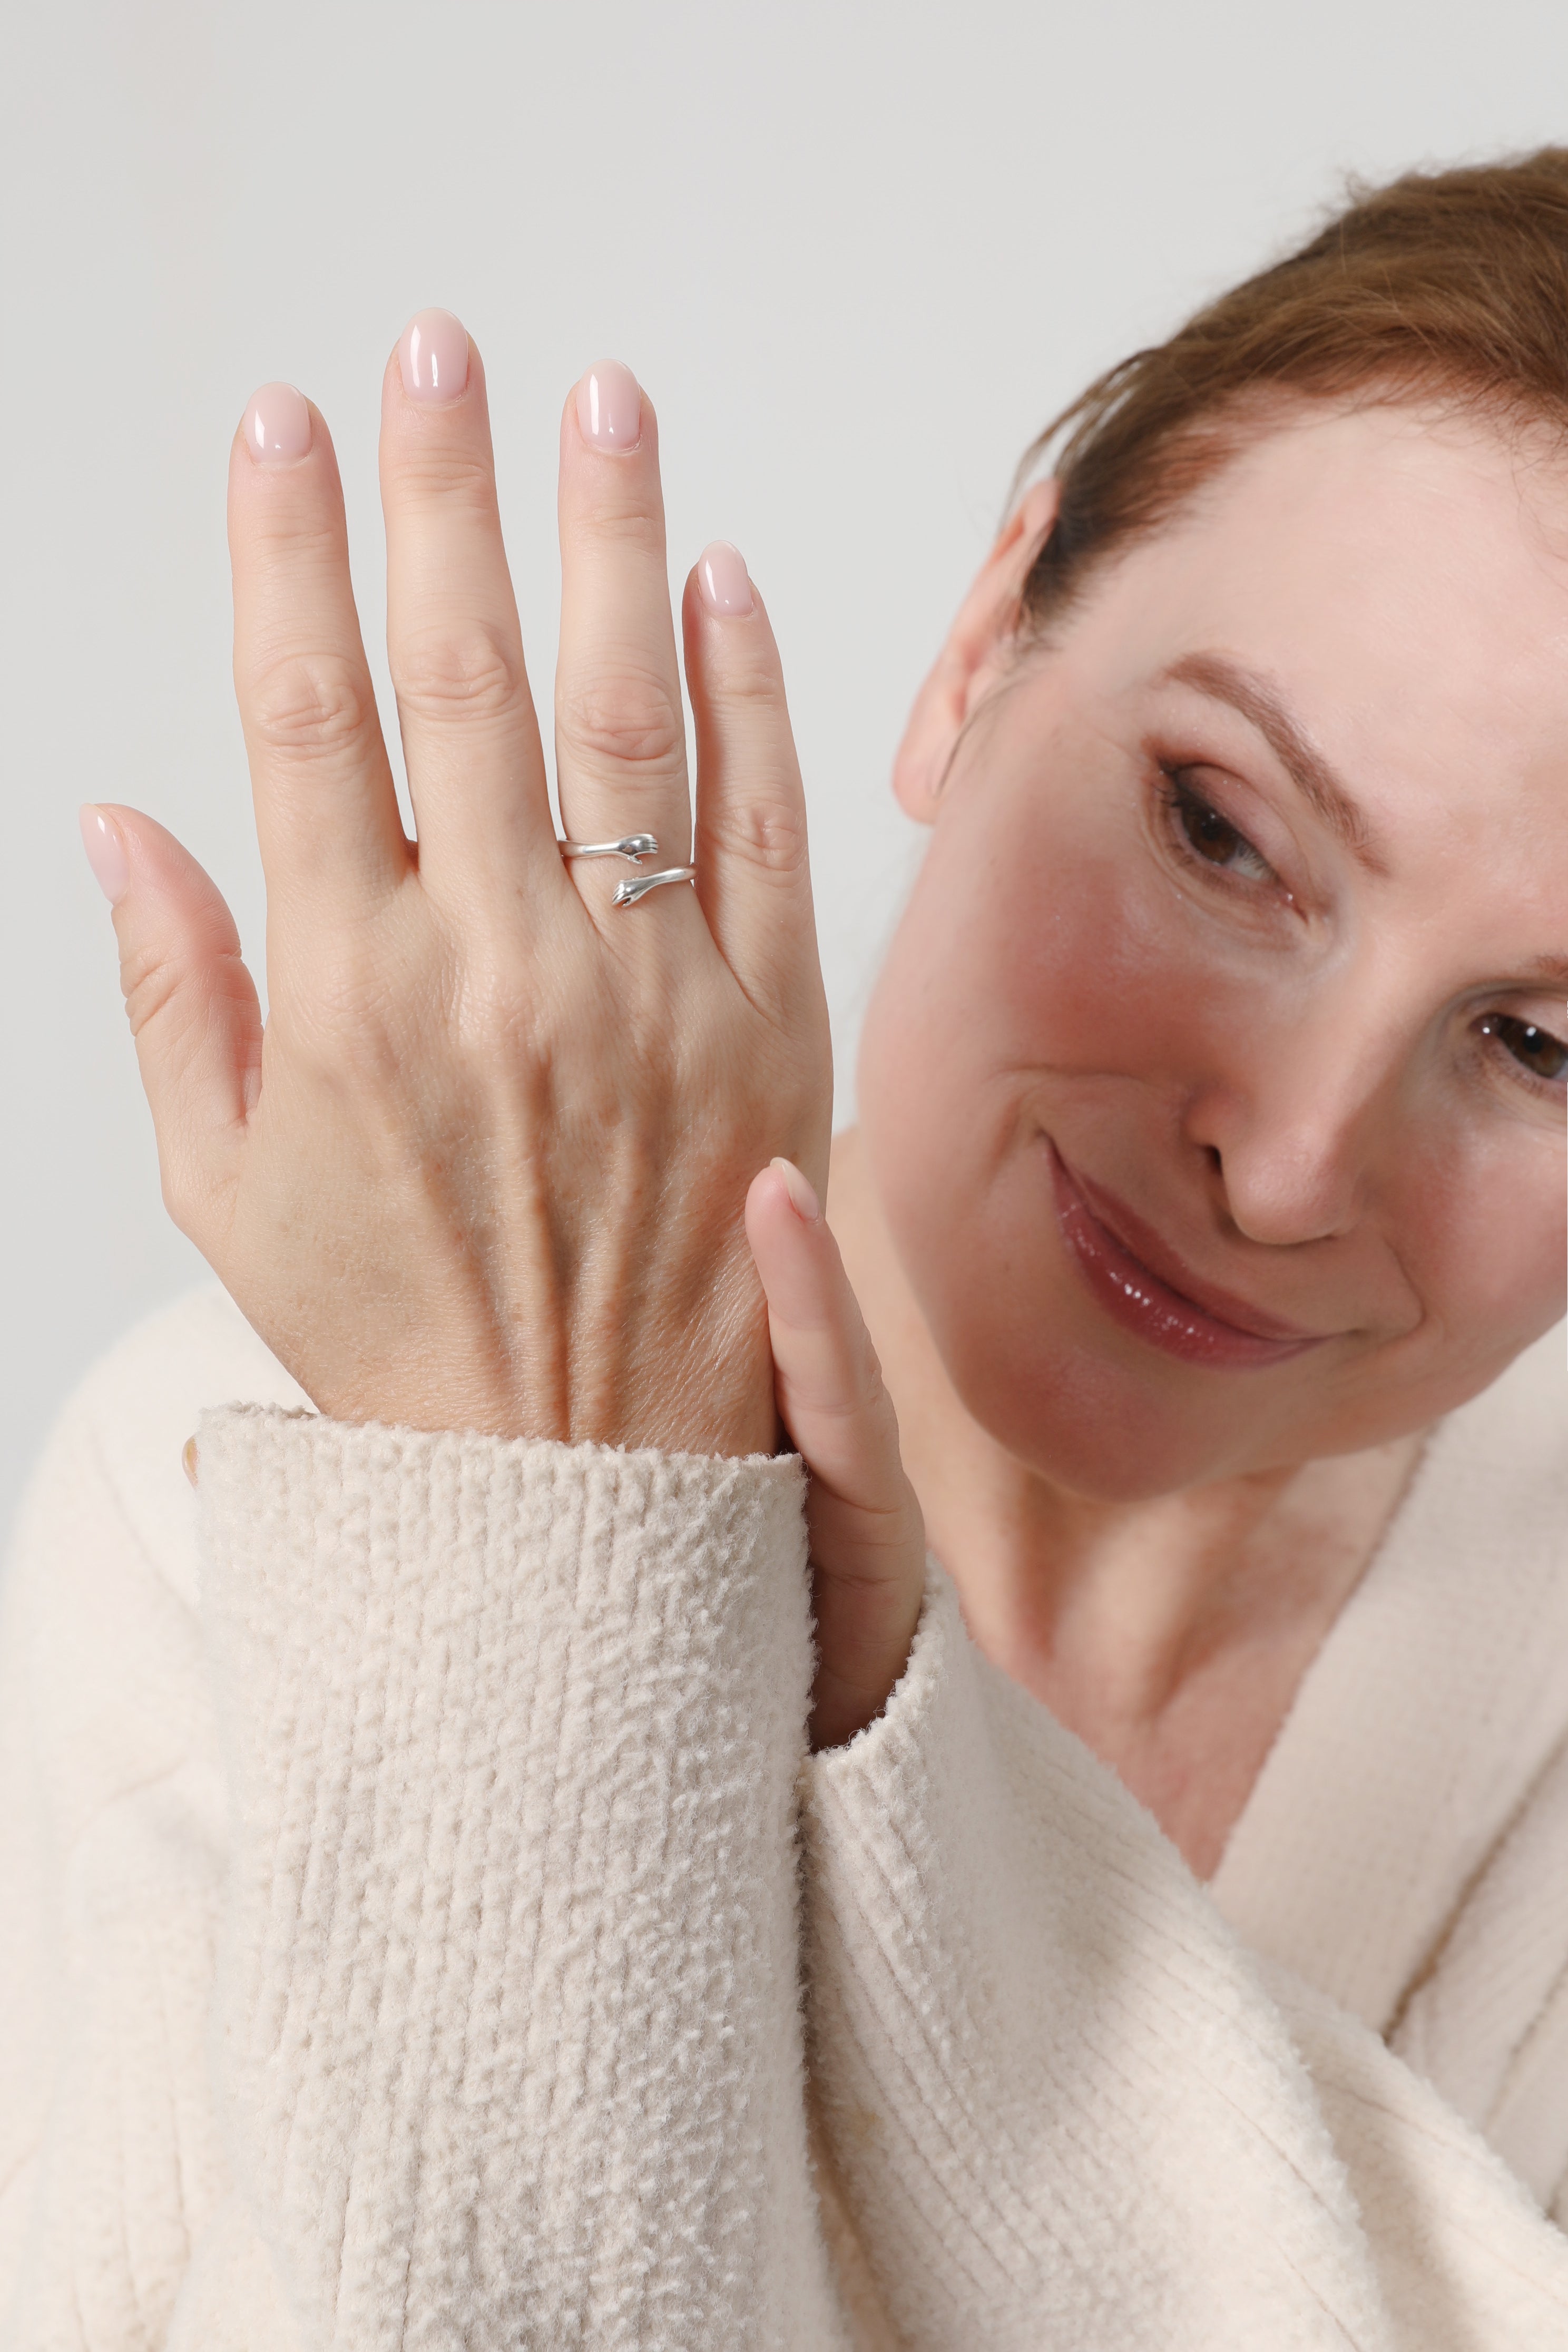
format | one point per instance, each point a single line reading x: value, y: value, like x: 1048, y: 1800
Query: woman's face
x: 1240, y: 955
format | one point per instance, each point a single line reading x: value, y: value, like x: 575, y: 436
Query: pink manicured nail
x: 803, y: 1198
x: 434, y: 356
x: 278, y: 423
x: 609, y: 406
x: 722, y: 578
x: 106, y: 854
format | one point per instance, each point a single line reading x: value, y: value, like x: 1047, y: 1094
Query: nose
x: 1295, y: 1116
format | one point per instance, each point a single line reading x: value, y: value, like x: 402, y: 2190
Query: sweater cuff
x: 510, y: 2044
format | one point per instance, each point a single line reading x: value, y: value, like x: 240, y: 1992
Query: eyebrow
x: 1259, y: 701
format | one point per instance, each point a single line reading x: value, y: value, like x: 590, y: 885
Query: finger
x: 753, y: 875
x: 326, y: 809
x: 829, y: 1382
x: 868, y: 1538
x: 192, y: 1005
x: 620, y: 738
x: 476, y: 768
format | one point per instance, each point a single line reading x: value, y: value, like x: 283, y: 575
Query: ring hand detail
x: 627, y: 894
x: 634, y: 846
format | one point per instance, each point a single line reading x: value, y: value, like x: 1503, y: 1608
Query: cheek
x: 1064, y: 954
x: 1491, y: 1280
x: 1028, y: 981
x: 1084, y: 974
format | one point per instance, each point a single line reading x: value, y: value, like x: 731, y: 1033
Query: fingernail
x: 803, y: 1200
x: 106, y: 853
x: 433, y: 356
x: 188, y: 1459
x: 609, y: 406
x: 278, y: 423
x: 722, y: 578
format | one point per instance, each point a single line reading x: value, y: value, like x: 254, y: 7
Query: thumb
x: 868, y: 1538
x: 193, y: 1006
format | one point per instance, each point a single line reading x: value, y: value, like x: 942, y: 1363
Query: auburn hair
x: 1446, y: 284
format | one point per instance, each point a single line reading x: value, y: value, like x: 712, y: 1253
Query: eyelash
x: 1178, y: 798
x: 1492, y: 1022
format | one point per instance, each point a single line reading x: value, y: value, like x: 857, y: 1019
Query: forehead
x: 1403, y: 578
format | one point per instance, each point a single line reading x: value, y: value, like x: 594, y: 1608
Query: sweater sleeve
x: 497, y: 2040
x: 111, y: 1860
x: 1060, y: 2103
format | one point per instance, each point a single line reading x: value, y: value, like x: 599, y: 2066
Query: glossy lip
x: 1202, y: 1325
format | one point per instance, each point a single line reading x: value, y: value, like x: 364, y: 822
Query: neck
x: 1112, y: 1611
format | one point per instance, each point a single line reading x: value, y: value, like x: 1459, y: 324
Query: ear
x: 967, y: 661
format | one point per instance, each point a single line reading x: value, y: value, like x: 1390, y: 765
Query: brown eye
x: 1207, y: 831
x: 1544, y: 1055
x: 1209, y: 837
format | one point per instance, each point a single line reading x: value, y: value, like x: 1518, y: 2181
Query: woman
x: 405, y: 1928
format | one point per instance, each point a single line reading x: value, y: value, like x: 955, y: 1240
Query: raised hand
x: 486, y: 1166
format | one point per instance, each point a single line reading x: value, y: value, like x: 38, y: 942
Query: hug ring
x: 628, y: 892
x: 634, y: 847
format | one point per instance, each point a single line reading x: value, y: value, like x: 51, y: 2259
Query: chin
x: 1089, y: 1424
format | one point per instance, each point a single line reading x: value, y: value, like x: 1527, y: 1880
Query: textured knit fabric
x: 1066, y: 2108
x: 1406, y: 1847
x: 420, y: 1924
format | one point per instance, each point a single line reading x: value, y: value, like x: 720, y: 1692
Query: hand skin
x: 486, y: 1166
x: 868, y: 1537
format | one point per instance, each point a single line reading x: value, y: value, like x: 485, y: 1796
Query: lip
x: 1117, y: 1256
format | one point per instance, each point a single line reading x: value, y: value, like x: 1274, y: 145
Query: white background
x: 857, y: 254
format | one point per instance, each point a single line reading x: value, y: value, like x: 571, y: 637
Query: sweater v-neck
x: 1432, y: 1705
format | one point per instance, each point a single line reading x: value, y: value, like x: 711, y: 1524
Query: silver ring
x: 628, y: 892
x: 634, y: 846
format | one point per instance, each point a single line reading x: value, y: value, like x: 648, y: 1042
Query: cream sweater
x: 421, y: 1926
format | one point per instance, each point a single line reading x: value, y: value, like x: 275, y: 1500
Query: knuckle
x: 345, y: 1002
x: 312, y: 706
x: 752, y: 689
x: 296, y: 542
x: 858, y: 1404
x: 150, y: 982
x: 625, y: 721
x: 346, y: 1020
x: 459, y: 477
x: 878, y: 1405
x: 863, y: 1396
x: 475, y: 672
x: 625, y: 522
x: 765, y: 832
